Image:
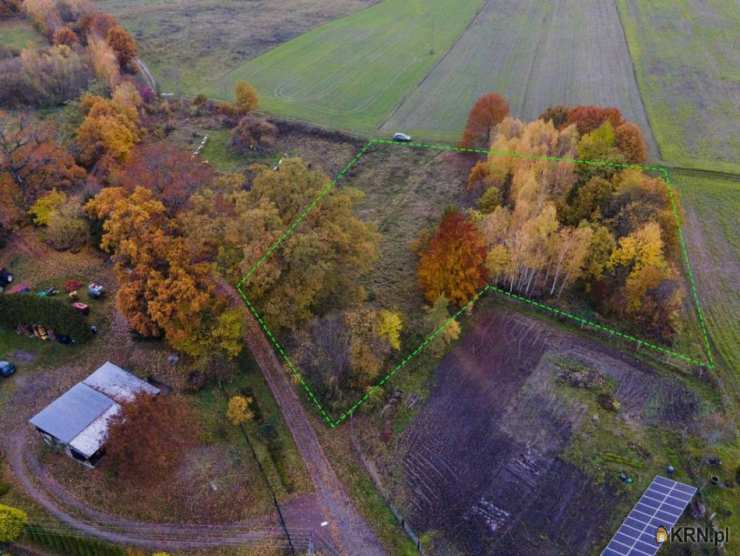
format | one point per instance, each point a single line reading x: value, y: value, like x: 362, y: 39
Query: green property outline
x: 335, y: 422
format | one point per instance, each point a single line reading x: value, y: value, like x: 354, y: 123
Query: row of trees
x: 546, y: 225
x: 84, y: 43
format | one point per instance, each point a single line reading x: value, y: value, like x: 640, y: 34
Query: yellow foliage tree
x: 246, y: 97
x: 390, y: 326
x: 111, y: 127
x: 238, y: 411
x: 43, y: 209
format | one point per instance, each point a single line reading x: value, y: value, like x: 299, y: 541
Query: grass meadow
x: 18, y: 33
x: 188, y: 43
x: 711, y: 208
x: 687, y: 60
x: 352, y: 72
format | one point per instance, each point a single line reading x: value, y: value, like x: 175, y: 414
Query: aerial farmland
x: 369, y: 277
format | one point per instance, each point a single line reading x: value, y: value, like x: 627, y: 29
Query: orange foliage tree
x: 171, y: 173
x: 589, y: 118
x: 486, y: 113
x: 148, y: 438
x: 32, y: 162
x: 123, y: 45
x: 65, y: 35
x: 453, y: 263
x: 631, y: 143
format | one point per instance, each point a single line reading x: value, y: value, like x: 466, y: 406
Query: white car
x: 401, y: 137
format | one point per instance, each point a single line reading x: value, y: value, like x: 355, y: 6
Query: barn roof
x: 80, y: 416
x: 72, y: 412
x: 118, y: 384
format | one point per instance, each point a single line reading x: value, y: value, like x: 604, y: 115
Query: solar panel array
x: 661, y: 505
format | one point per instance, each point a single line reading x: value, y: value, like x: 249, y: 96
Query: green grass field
x: 711, y: 207
x: 687, y: 62
x: 352, y: 72
x: 18, y: 33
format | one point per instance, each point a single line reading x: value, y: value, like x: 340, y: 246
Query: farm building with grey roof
x: 77, y: 421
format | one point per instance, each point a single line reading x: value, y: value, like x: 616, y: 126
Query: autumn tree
x: 486, y: 113
x: 650, y: 293
x: 453, y: 263
x: 53, y: 75
x: 316, y: 268
x: 44, y: 15
x: 123, y: 45
x: 165, y: 289
x: 238, y: 411
x: 598, y: 147
x: 439, y: 322
x: 389, y: 327
x: 148, y: 438
x: 254, y: 134
x: 66, y: 227
x: 111, y: 126
x: 45, y: 205
x: 590, y: 202
x: 590, y: 118
x: 104, y: 61
x: 66, y: 36
x: 170, y: 172
x: 347, y: 349
x: 246, y: 97
x: 630, y: 141
x: 96, y: 23
x: 31, y: 162
x: 557, y: 115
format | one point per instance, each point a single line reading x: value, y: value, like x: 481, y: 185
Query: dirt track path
x: 60, y: 504
x: 349, y: 529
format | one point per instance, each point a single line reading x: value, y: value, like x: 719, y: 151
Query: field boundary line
x: 407, y: 95
x: 333, y: 422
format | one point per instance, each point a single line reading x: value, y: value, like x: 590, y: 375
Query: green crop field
x: 17, y: 33
x: 352, y: 72
x: 711, y: 207
x: 687, y: 60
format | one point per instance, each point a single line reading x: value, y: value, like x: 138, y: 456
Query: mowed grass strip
x: 687, y: 59
x: 537, y: 54
x: 711, y: 207
x: 352, y: 72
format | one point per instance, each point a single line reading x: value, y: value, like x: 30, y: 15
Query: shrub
x: 66, y: 229
x: 12, y: 523
x: 254, y: 134
x: 490, y: 199
x: 18, y: 309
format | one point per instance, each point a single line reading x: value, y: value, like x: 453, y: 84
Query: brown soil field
x: 505, y: 459
x: 190, y: 41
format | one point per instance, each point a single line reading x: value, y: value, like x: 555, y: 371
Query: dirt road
x: 36, y: 482
x: 349, y: 529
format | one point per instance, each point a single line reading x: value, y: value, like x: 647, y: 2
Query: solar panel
x: 661, y: 505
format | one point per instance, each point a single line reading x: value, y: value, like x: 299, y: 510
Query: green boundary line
x: 334, y: 422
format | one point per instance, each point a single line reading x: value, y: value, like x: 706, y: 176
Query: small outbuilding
x: 77, y: 421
